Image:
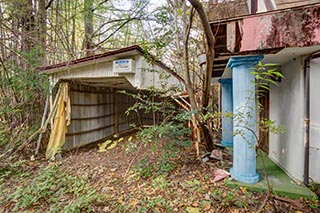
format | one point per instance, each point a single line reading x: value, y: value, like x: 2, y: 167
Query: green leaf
x: 270, y: 65
x: 192, y: 210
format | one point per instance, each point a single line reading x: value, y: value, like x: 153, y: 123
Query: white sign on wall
x: 124, y: 66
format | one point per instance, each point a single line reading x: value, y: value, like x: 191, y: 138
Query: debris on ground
x: 220, y: 174
x: 216, y: 154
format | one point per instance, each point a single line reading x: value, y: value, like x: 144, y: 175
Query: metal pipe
x: 306, y: 119
x: 307, y: 116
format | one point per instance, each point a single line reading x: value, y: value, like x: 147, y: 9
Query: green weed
x: 60, y: 191
x: 14, y: 169
x: 314, y: 203
x: 160, y: 182
x: 158, y: 204
x: 232, y: 198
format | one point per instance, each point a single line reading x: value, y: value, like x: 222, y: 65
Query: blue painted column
x: 244, y: 111
x: 227, y: 107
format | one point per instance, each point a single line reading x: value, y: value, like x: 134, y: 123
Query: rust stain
x: 295, y: 28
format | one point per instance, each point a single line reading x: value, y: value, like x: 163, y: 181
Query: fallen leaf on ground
x: 114, y: 144
x: 192, y: 210
x: 206, y: 205
x: 243, y: 189
x: 133, y: 202
x: 102, y: 146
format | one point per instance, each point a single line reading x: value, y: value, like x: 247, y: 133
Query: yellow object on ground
x: 61, y: 121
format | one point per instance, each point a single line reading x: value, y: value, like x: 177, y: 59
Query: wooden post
x: 116, y: 112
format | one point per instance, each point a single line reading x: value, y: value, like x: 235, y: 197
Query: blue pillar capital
x: 244, y: 60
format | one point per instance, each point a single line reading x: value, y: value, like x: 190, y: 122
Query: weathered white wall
x: 314, y: 159
x: 286, y: 108
x: 146, y: 74
x: 96, y: 70
x: 154, y: 75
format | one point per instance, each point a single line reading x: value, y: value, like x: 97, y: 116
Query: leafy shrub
x: 22, y: 97
x: 62, y: 192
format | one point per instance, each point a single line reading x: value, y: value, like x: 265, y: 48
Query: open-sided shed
x: 87, y: 92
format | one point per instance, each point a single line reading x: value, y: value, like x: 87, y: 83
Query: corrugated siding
x: 125, y: 121
x: 91, y: 115
x: 100, y: 112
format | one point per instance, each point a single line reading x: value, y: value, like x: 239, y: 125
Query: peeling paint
x: 286, y: 29
x: 255, y: 31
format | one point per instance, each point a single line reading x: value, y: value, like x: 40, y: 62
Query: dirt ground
x: 186, y: 187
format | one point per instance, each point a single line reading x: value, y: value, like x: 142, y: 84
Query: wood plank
x: 231, y: 36
x: 219, y: 65
x: 116, y: 112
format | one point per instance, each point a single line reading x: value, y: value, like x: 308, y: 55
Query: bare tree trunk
x: 28, y: 25
x: 196, y: 137
x: 2, y: 35
x: 88, y: 27
x: 42, y: 29
x: 73, y: 36
x: 210, y: 57
x: 183, y: 52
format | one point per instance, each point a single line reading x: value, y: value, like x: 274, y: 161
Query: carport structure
x: 85, y: 98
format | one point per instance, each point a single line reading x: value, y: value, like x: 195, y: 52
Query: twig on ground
x: 133, y: 159
x: 264, y: 202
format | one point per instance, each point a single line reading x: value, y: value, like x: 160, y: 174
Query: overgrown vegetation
x: 167, y: 135
x: 22, y: 96
x: 53, y: 190
x: 168, y: 139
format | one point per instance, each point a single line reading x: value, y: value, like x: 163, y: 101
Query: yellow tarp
x: 61, y: 121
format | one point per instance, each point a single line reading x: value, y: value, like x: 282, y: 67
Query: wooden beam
x: 116, y: 112
x: 218, y: 69
x: 219, y: 65
x: 231, y: 39
x: 222, y: 58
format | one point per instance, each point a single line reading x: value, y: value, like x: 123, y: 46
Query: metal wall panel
x: 100, y: 112
x: 91, y: 115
